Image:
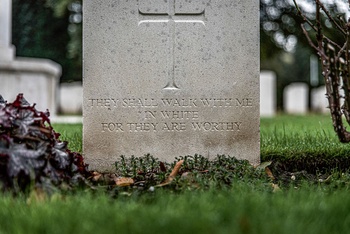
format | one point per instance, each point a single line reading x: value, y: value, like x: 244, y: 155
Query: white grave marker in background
x: 267, y: 94
x: 296, y: 98
x: 319, y: 102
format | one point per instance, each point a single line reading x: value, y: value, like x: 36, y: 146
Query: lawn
x: 252, y: 203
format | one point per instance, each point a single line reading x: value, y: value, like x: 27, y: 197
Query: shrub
x: 31, y: 153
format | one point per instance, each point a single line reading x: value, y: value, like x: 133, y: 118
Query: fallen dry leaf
x: 269, y: 173
x: 123, y: 181
x: 176, y: 169
x: 172, y: 175
x: 96, y: 176
x: 276, y: 188
x: 263, y: 165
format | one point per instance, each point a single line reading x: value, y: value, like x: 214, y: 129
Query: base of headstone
x: 7, y: 53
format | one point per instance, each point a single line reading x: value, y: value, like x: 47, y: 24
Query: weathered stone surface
x: 170, y: 78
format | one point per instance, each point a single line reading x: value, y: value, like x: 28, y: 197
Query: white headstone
x: 71, y: 98
x: 7, y: 50
x: 267, y: 94
x: 295, y: 98
x: 170, y: 78
x: 319, y: 102
x: 37, y: 79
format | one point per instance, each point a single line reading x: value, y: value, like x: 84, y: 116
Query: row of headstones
x: 295, y: 97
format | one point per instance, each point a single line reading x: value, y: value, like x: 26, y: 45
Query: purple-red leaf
x: 30, y: 150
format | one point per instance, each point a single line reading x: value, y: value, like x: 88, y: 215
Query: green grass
x: 241, y: 209
x: 283, y: 138
x: 303, y: 142
x: 249, y: 205
x: 295, y: 136
x: 71, y: 133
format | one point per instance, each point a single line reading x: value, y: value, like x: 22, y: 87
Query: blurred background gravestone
x: 319, y: 102
x: 296, y: 98
x: 36, y: 78
x: 267, y: 94
x: 71, y: 98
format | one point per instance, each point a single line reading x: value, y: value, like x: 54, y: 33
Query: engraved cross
x: 171, y: 17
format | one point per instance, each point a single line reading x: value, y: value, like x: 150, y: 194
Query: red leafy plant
x: 31, y: 153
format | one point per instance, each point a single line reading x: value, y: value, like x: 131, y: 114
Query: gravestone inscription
x: 170, y: 78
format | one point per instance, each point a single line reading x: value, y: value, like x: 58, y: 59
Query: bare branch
x: 318, y: 3
x: 335, y: 66
x: 305, y: 19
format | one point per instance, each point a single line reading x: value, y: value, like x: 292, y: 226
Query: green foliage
x: 31, y: 154
x: 294, y: 144
x: 59, y: 6
x: 196, y: 172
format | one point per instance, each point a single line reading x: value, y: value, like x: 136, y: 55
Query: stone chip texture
x: 170, y: 78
